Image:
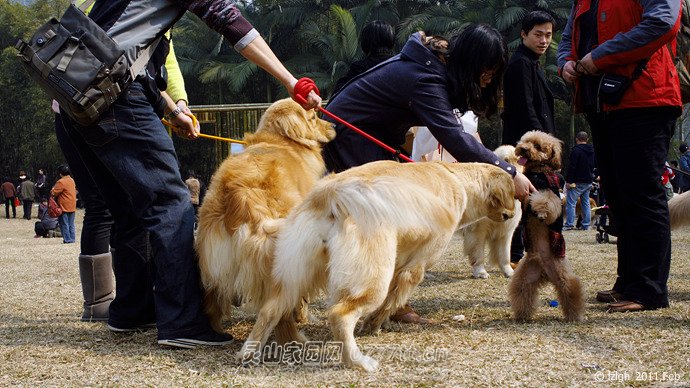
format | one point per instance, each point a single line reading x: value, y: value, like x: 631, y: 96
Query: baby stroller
x: 604, y: 224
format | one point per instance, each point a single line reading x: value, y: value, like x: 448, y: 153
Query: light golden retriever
x: 497, y: 236
x: 679, y: 208
x: 545, y: 260
x: 366, y: 236
x: 249, y: 196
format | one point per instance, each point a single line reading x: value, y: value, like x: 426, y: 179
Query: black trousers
x: 27, y: 204
x: 631, y: 146
x: 10, y: 202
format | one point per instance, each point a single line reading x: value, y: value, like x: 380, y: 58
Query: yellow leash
x: 195, y: 122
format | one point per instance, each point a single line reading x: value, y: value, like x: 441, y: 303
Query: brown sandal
x: 407, y: 315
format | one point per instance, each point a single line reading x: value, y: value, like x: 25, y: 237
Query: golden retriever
x: 366, y: 236
x: 249, y: 196
x: 679, y: 208
x: 545, y: 260
x: 497, y: 236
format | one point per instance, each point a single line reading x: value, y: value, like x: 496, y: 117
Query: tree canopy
x: 314, y: 38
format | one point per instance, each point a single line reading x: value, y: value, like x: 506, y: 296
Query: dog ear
x: 289, y: 120
x: 556, y: 151
x: 502, y: 191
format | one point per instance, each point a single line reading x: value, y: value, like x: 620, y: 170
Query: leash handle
x: 306, y: 85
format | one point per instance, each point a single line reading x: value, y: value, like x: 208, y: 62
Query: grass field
x: 43, y: 343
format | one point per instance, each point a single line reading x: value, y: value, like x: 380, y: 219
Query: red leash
x: 306, y: 85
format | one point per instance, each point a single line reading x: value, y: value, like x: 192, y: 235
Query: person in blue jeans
x: 579, y: 178
x: 132, y: 161
x: 65, y: 193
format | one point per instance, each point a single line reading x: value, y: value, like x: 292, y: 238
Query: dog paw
x: 365, y: 363
x: 479, y: 273
x: 368, y: 328
x: 507, y: 270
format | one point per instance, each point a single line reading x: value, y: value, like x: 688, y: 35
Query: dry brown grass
x: 43, y: 343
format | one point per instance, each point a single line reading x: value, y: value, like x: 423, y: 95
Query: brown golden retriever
x: 496, y: 236
x: 545, y: 260
x: 249, y: 196
x: 366, y: 237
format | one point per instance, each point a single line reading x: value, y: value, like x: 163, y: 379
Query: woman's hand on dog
x: 522, y: 186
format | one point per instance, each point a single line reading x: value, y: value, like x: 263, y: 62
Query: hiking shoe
x: 210, y: 338
x: 131, y: 329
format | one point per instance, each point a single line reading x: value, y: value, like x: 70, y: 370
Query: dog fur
x: 497, y: 236
x: 679, y: 208
x: 249, y: 196
x: 366, y: 236
x: 540, y: 152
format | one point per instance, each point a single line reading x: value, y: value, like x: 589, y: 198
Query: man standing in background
x: 27, y: 192
x: 526, y: 95
x: 579, y: 181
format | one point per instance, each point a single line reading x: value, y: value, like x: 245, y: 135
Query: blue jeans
x: 66, y: 221
x: 132, y: 160
x: 133, y: 305
x: 581, y: 191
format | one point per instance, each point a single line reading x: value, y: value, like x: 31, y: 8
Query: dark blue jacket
x: 407, y: 90
x: 581, y: 164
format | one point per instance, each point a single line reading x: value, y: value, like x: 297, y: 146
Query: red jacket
x: 625, y: 37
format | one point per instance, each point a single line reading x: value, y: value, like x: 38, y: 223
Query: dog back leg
x: 568, y: 287
x: 499, y: 252
x: 368, y: 263
x: 474, y: 239
x: 406, y: 279
x: 270, y: 314
x: 524, y: 287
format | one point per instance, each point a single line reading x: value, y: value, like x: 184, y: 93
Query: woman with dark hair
x: 420, y: 87
x: 376, y: 40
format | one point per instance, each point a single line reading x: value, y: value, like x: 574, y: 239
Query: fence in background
x: 231, y: 120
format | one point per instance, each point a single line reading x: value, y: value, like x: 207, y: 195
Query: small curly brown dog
x: 544, y: 261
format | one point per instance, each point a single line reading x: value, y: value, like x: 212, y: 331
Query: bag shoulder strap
x: 144, y: 55
x: 85, y: 5
x: 143, y: 58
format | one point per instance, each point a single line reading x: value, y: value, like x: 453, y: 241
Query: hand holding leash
x: 305, y: 86
x: 195, y: 123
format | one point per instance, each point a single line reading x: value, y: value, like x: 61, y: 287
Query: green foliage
x: 27, y: 137
x: 314, y: 38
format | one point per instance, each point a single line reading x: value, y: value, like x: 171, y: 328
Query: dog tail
x: 382, y: 201
x: 299, y: 267
x: 679, y: 208
x: 214, y: 249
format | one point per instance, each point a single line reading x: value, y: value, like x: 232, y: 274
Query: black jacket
x: 527, y: 99
x: 581, y: 164
x: 408, y: 90
x: 362, y: 65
